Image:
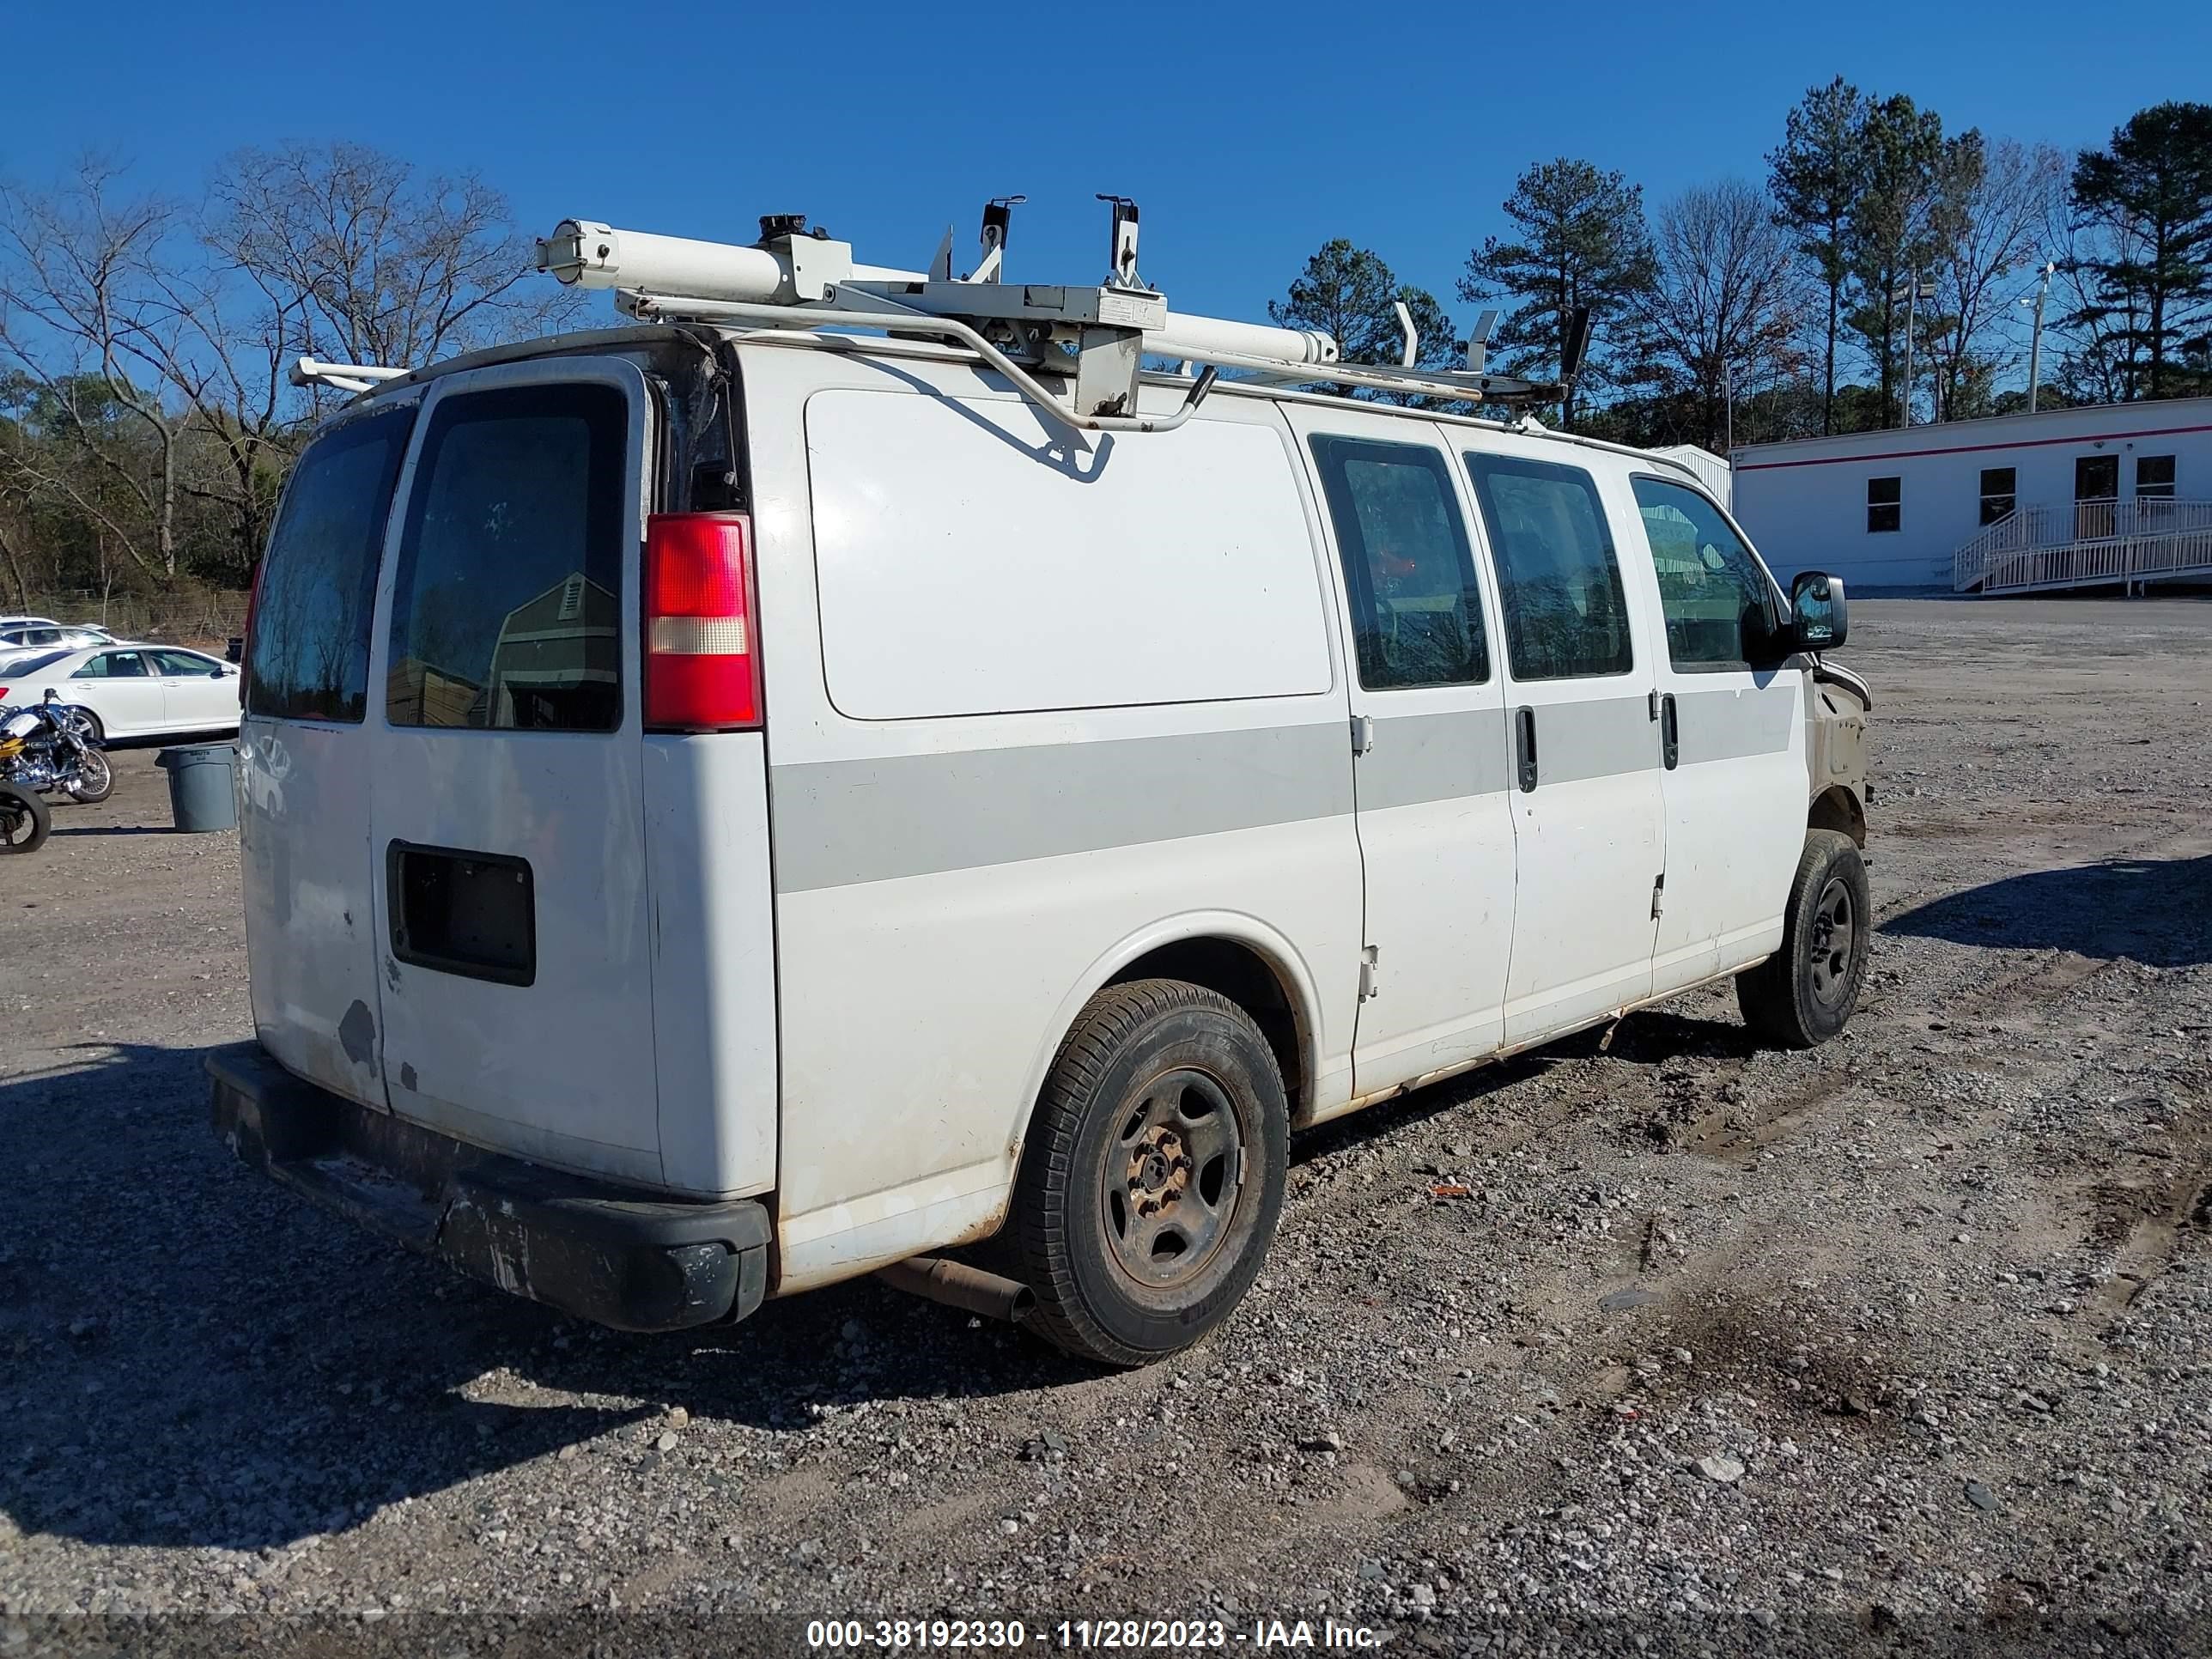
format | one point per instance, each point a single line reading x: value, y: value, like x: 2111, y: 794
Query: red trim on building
x: 1970, y: 449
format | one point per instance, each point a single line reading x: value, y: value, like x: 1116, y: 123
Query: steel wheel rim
x: 1834, y: 942
x: 16, y: 824
x: 93, y: 769
x: 1171, y: 1180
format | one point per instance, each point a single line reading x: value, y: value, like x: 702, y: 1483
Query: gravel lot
x: 1905, y: 1343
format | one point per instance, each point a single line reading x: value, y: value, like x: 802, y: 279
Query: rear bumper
x: 608, y: 1254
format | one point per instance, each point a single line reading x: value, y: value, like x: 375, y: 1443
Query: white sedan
x: 22, y: 638
x: 131, y: 690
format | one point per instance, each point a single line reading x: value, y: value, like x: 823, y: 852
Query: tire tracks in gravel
x: 1585, y: 1369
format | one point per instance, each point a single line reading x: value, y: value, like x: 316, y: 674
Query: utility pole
x: 1915, y: 290
x: 2035, y: 339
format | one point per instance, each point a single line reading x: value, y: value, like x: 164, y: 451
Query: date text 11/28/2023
x: 1163, y: 1635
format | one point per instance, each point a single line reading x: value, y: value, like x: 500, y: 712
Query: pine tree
x: 1351, y: 294
x: 1817, y: 176
x: 1583, y: 242
x: 2151, y: 189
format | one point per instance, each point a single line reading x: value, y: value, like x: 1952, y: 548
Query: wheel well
x: 1838, y: 808
x: 1238, y: 972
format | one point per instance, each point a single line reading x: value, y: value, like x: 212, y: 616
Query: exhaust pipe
x: 956, y: 1285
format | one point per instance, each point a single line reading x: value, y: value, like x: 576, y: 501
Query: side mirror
x: 1820, y: 618
x: 218, y: 673
x: 52, y: 696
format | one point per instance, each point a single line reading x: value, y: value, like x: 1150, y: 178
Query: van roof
x: 707, y: 337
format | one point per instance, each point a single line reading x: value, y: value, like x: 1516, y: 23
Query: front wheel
x: 1153, y: 1177
x: 95, y: 780
x: 1804, y: 992
x: 24, y: 820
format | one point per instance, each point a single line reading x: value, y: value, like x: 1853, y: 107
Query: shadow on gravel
x: 192, y: 1355
x: 2154, y: 911
x: 1644, y: 1038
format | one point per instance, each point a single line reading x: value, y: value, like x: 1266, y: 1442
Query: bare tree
x: 149, y: 342
x: 14, y: 501
x: 83, y: 321
x: 383, y: 265
x: 1991, y: 221
x: 1728, y: 311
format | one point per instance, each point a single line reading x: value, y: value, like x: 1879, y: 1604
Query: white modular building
x: 1712, y: 470
x: 2117, y: 493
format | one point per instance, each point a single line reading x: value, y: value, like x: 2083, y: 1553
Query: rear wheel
x: 23, y: 820
x: 96, y: 778
x: 1804, y: 995
x: 1153, y: 1177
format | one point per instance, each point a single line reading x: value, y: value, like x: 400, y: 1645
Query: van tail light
x: 701, y: 653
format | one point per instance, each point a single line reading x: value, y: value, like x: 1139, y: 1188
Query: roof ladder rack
x: 1092, y: 338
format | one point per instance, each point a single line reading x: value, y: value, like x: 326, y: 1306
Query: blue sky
x: 1248, y: 133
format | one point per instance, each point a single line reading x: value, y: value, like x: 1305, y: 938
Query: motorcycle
x: 49, y: 746
x: 24, y: 820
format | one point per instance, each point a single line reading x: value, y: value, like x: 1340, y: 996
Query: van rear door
x: 305, y: 754
x: 507, y: 840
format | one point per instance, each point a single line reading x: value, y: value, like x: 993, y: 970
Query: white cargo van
x: 728, y: 806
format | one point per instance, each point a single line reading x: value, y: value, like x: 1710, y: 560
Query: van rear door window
x: 507, y: 605
x: 311, y: 625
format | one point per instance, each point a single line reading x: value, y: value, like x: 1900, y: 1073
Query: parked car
x: 49, y: 636
x: 129, y: 691
x: 787, y: 805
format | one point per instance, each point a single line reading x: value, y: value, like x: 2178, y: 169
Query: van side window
x: 311, y: 624
x: 1718, y: 603
x: 1566, y: 616
x: 1416, y: 612
x: 506, y: 606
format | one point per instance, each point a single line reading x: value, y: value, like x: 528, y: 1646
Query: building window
x: 2155, y: 477
x: 1885, y: 505
x: 1998, y: 495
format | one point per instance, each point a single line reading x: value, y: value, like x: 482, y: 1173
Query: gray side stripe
x: 1600, y: 740
x: 841, y: 822
x: 1732, y: 725
x: 1425, y: 757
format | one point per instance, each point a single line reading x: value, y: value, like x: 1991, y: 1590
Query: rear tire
x: 1804, y: 995
x: 95, y: 779
x: 1153, y: 1177
x: 24, y: 821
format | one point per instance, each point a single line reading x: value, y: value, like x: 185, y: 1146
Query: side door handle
x: 1670, y: 735
x: 1524, y: 747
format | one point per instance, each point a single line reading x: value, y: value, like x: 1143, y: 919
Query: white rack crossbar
x: 346, y: 377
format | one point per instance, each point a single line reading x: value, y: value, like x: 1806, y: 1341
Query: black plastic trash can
x: 203, y: 787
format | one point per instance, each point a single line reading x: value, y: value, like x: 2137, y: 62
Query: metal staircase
x: 2093, y: 543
